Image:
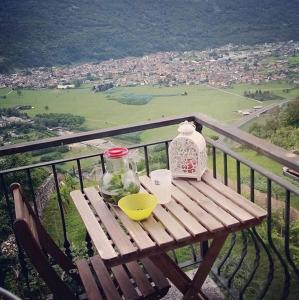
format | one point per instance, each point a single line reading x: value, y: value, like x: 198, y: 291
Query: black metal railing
x: 278, y: 259
x: 254, y: 264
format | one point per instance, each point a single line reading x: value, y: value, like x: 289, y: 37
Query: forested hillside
x: 281, y: 128
x: 44, y: 33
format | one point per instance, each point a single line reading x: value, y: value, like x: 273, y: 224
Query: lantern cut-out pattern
x: 188, y: 153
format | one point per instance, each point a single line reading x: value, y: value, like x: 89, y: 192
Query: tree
x: 77, y: 83
x: 70, y: 182
x: 246, y: 67
x: 290, y: 116
x: 286, y: 137
x: 46, y: 107
x: 282, y: 128
x: 62, y: 120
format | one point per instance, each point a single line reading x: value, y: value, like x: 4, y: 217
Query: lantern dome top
x: 186, y: 128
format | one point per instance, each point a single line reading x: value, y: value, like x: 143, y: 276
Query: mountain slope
x: 44, y: 33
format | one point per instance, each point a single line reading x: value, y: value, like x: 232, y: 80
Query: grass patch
x: 293, y: 60
x: 100, y: 112
x: 166, y: 101
x: 74, y: 225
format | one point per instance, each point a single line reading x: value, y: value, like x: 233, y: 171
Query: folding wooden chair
x: 134, y: 280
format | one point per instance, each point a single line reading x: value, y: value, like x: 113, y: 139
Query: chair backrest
x: 37, y: 244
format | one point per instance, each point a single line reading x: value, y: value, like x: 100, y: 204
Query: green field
x: 102, y: 112
x: 276, y: 87
x: 293, y: 60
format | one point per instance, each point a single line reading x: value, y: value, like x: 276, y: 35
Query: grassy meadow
x: 293, y: 60
x: 102, y: 110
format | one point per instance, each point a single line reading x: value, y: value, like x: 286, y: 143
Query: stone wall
x: 43, y: 194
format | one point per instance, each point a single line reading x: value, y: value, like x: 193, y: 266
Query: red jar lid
x: 116, y: 152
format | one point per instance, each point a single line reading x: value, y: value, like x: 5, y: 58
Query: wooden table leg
x: 205, y: 267
x: 172, y: 271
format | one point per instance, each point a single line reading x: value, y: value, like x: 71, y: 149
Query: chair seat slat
x: 88, y: 280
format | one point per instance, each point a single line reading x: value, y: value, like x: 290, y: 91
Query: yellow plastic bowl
x: 138, y: 206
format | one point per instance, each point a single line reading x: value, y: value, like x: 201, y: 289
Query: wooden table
x: 198, y: 211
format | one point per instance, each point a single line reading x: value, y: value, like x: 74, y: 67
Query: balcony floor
x: 210, y: 289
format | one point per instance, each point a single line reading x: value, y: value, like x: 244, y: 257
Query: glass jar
x: 120, y: 178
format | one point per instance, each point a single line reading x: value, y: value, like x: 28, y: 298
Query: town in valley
x: 219, y: 67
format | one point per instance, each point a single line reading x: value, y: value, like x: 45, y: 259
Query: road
x: 255, y: 114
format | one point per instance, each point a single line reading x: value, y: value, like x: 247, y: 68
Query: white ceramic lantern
x: 187, y: 153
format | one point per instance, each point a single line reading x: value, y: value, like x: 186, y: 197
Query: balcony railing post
x: 5, y: 193
x: 214, y: 162
x: 287, y: 232
x: 80, y: 176
x: 252, y: 195
x: 287, y: 223
x: 103, y: 163
x: 269, y: 208
x: 225, y: 168
x: 146, y: 160
x: 66, y: 243
x: 287, y: 282
x: 238, y: 176
x: 90, y: 251
x: 167, y: 154
x: 32, y: 192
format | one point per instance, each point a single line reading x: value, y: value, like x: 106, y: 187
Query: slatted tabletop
x: 199, y: 210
